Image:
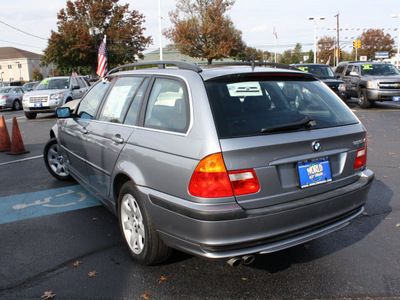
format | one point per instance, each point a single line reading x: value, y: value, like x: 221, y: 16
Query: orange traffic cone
x: 17, y: 145
x: 5, y: 143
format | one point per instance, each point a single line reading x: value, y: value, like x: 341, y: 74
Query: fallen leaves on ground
x: 161, y: 279
x: 93, y: 274
x: 145, y: 295
x: 398, y: 225
x: 48, y: 295
x: 77, y: 263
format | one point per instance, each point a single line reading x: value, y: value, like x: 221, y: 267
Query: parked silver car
x: 11, y: 97
x: 53, y: 92
x: 223, y: 162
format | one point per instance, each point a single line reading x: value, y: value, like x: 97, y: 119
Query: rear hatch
x: 290, y: 129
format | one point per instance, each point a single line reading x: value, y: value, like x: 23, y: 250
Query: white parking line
x: 21, y: 160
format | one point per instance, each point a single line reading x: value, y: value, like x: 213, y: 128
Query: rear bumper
x: 225, y: 231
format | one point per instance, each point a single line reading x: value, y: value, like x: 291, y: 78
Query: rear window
x: 255, y: 107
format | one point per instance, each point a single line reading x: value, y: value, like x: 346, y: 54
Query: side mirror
x: 63, y: 112
x: 76, y: 87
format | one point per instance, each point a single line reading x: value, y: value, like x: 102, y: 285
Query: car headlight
x: 372, y: 84
x: 56, y: 96
x: 25, y: 98
x: 342, y: 87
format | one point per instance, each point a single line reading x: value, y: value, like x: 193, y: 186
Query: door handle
x: 117, y: 139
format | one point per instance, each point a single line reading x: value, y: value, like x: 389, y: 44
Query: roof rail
x: 254, y: 64
x: 161, y: 65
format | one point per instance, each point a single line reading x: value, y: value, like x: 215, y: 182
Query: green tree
x: 286, y: 57
x: 310, y: 57
x: 374, y: 40
x: 201, y: 29
x: 72, y: 46
x: 252, y: 54
x: 297, y: 55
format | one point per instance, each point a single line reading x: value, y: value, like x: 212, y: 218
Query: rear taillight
x: 211, y: 179
x: 244, y: 182
x: 361, y: 158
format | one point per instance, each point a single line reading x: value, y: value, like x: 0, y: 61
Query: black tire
x: 30, y: 116
x: 363, y: 99
x: 144, y: 244
x: 54, y: 161
x: 16, y: 105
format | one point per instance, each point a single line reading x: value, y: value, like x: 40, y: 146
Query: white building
x: 18, y: 65
x: 395, y: 60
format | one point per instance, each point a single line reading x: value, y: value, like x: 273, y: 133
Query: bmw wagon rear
x: 291, y: 166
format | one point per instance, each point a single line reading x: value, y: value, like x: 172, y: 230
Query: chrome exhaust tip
x: 248, y: 259
x: 235, y: 261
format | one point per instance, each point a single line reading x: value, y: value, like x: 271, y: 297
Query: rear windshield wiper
x: 306, y: 122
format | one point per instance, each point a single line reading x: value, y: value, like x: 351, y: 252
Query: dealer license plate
x: 314, y: 172
x: 396, y: 99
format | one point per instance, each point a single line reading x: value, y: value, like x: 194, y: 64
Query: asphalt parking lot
x: 55, y: 237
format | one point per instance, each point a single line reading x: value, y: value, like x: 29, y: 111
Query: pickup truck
x: 370, y: 81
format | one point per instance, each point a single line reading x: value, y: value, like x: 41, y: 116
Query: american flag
x: 274, y: 33
x: 102, y: 59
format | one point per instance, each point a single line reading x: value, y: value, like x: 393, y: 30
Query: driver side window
x: 89, y: 104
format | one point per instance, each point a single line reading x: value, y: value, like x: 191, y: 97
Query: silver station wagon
x: 223, y: 162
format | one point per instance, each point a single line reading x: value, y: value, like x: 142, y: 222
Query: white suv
x: 53, y: 92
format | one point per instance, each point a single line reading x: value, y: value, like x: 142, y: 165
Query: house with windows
x: 18, y: 65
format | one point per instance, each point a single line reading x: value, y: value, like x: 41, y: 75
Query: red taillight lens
x: 211, y: 179
x: 361, y: 158
x: 244, y: 182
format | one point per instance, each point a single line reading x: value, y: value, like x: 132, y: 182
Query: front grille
x: 389, y: 85
x: 38, y: 99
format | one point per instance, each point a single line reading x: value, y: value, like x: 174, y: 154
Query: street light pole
x: 315, y: 35
x: 398, y: 40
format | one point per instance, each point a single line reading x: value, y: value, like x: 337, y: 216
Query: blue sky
x: 255, y: 18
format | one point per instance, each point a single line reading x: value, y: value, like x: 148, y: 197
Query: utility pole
x: 337, y: 38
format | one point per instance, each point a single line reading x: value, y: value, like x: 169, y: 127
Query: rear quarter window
x: 168, y: 106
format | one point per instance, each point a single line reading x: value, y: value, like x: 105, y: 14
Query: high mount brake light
x: 211, y: 179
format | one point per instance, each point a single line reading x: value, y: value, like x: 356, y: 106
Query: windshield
x: 379, y: 69
x: 322, y: 72
x: 268, y: 106
x: 53, y: 84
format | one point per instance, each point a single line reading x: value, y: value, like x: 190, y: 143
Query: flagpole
x: 276, y: 37
x: 160, y: 29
